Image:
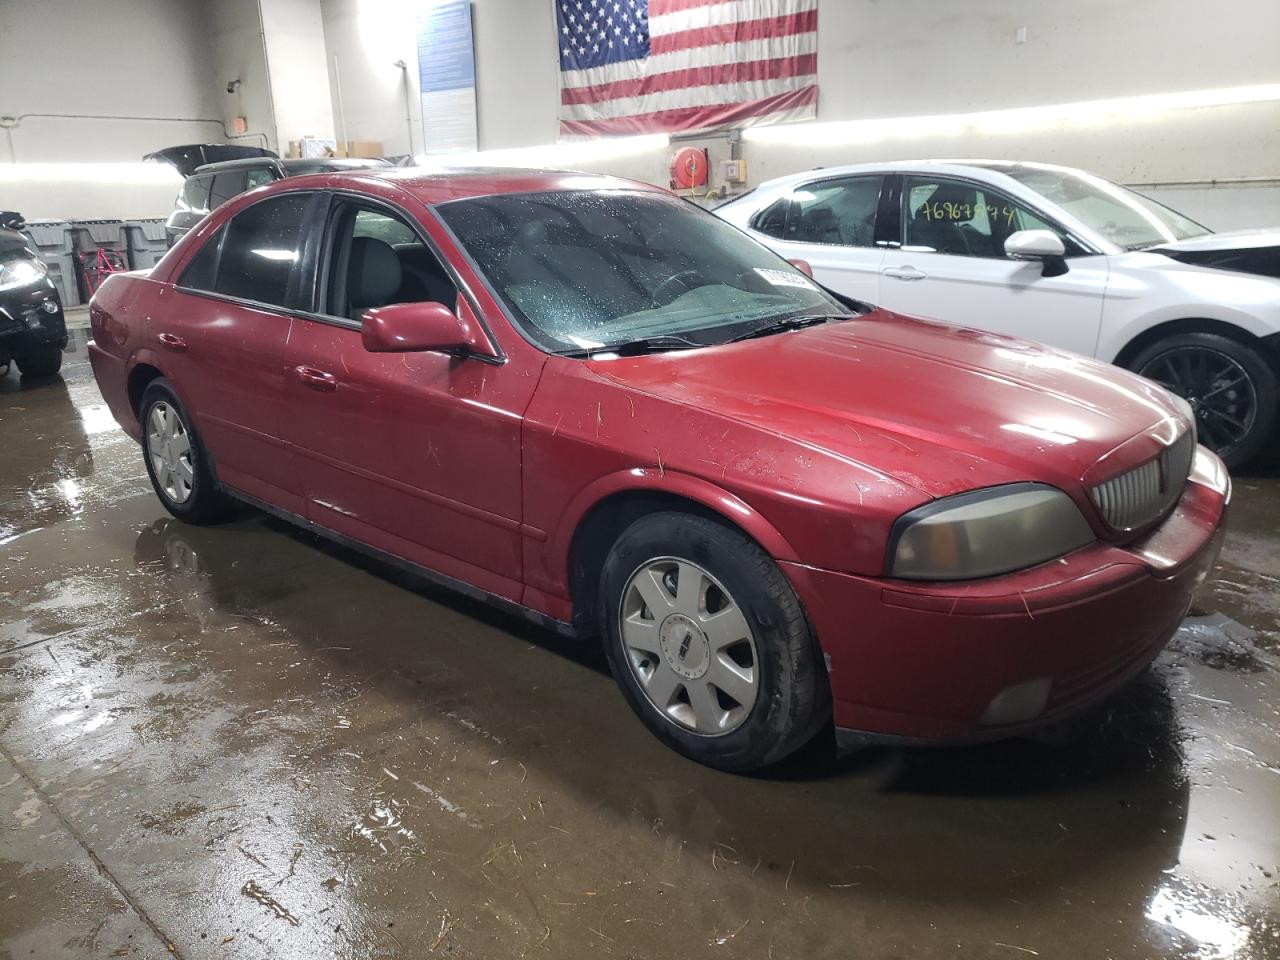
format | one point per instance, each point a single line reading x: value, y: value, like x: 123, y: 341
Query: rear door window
x: 840, y: 212
x: 262, y: 250
x: 202, y: 271
x: 227, y: 184
x: 772, y: 220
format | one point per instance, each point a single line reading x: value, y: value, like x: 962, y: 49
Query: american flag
x: 649, y: 66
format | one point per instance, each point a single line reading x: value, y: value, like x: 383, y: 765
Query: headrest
x: 373, y: 272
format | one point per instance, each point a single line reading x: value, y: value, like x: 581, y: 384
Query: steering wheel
x: 660, y: 293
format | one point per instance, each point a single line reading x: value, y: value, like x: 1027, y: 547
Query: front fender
x: 674, y: 483
x: 1139, y: 300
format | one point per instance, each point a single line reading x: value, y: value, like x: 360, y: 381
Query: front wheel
x: 709, y: 644
x: 1230, y: 385
x: 175, y: 459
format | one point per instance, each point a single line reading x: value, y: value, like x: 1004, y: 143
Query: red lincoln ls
x: 591, y: 402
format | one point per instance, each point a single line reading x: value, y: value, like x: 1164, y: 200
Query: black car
x: 32, y: 328
x: 213, y: 184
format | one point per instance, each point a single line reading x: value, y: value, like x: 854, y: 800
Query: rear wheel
x: 709, y: 644
x: 175, y: 459
x: 39, y: 360
x: 1230, y: 385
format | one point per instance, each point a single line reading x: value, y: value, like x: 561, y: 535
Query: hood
x: 943, y: 409
x: 1243, y: 251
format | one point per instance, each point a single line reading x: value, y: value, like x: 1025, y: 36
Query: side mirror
x: 1043, y: 245
x: 803, y: 266
x: 407, y: 327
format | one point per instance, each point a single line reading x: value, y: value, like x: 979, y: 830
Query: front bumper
x: 25, y: 317
x: 926, y: 662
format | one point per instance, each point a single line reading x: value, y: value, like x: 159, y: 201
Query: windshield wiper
x: 783, y: 324
x: 635, y: 348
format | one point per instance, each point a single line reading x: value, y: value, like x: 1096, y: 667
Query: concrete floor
x: 244, y: 742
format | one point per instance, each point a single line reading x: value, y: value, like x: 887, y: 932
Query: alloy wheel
x: 169, y: 449
x: 1219, y: 389
x: 689, y: 646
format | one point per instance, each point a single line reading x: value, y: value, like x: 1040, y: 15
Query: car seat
x: 373, y: 275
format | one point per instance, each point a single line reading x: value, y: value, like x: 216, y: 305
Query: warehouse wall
x: 877, y: 59
x: 914, y: 58
x: 298, y: 67
x: 367, y: 89
x: 237, y: 53
x: 137, y: 58
x: 132, y: 59
x: 892, y: 58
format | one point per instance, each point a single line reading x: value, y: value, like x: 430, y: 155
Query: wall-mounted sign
x: 447, y: 76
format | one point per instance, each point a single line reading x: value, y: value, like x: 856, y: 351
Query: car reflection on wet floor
x: 245, y: 741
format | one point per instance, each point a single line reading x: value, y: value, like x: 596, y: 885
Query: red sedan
x: 589, y: 401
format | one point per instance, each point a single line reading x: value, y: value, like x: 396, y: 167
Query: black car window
x: 841, y: 212
x: 228, y: 184
x: 257, y: 176
x: 195, y: 195
x: 772, y: 220
x: 964, y: 219
x: 202, y: 270
x: 262, y: 246
x: 378, y: 259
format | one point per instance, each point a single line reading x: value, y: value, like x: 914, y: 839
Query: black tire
x: 39, y: 361
x: 793, y: 699
x: 206, y: 503
x: 1160, y: 362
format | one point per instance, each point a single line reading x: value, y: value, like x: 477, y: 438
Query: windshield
x: 595, y: 270
x: 1125, y: 218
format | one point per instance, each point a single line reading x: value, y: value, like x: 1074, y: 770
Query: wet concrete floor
x: 242, y: 741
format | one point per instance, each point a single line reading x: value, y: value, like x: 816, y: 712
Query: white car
x: 1052, y: 254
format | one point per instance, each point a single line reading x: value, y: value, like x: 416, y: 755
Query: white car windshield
x: 1127, y: 219
x: 588, y: 271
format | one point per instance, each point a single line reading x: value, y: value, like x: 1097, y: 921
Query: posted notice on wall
x: 447, y: 76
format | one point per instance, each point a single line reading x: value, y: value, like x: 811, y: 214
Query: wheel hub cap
x: 684, y: 646
x: 689, y: 646
x: 169, y: 448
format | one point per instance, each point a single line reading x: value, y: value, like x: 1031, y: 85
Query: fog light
x: 1018, y: 704
x: 49, y: 306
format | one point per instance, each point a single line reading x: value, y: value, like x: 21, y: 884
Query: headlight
x: 986, y: 532
x: 1187, y: 411
x: 20, y: 272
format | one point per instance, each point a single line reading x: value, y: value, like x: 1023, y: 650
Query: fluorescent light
x: 113, y: 173
x: 567, y: 153
x: 1117, y: 110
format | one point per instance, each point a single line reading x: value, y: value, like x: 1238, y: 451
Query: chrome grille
x: 1147, y: 492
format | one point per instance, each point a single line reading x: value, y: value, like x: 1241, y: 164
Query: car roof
x: 432, y: 185
x: 960, y: 167
x: 293, y: 165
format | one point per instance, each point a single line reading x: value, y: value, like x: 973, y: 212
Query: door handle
x: 904, y: 273
x: 172, y: 341
x: 316, y: 379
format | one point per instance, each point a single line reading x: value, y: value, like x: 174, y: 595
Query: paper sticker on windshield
x: 786, y: 278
